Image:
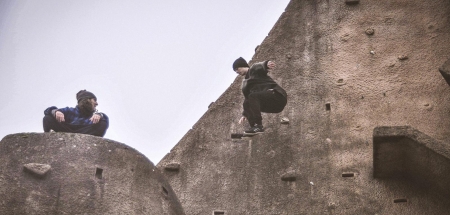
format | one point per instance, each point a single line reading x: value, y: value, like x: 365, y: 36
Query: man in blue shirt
x: 83, y: 119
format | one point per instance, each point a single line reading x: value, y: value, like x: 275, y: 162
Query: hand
x: 59, y: 116
x: 242, y: 119
x: 95, y: 118
x: 271, y: 65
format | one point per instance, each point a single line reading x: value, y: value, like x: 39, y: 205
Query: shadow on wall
x: 403, y: 152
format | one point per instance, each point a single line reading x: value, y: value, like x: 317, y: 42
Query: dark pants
x: 265, y: 101
x: 98, y: 129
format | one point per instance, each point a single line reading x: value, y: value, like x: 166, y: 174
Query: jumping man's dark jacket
x: 257, y: 80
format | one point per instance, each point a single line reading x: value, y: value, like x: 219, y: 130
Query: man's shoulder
x: 259, y: 68
x: 69, y: 108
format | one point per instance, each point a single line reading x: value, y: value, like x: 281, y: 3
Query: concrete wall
x: 403, y: 152
x: 59, y: 173
x: 347, y: 68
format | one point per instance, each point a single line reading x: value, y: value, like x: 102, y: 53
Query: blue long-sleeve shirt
x: 73, y: 116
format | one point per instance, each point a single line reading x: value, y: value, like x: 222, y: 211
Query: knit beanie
x: 83, y: 94
x: 240, y: 62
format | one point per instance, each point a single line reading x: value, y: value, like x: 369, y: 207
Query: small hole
x: 328, y: 106
x: 219, y: 212
x: 165, y: 191
x: 348, y: 175
x: 98, y: 173
x: 400, y: 200
x: 340, y: 81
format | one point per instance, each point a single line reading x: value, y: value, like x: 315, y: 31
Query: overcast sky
x: 154, y: 65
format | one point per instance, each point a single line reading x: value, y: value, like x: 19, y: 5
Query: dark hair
x: 84, y: 94
x: 240, y: 62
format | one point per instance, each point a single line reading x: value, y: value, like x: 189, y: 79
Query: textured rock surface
x: 79, y: 174
x: 342, y: 83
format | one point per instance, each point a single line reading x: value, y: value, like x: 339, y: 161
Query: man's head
x: 87, y: 101
x: 240, y: 66
x: 84, y: 94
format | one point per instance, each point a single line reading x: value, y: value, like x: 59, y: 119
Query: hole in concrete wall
x: 400, y: 200
x: 99, y: 173
x: 328, y: 106
x: 348, y: 174
x: 340, y: 82
x: 219, y: 213
x: 165, y: 191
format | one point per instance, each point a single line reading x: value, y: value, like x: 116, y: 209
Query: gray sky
x: 154, y: 65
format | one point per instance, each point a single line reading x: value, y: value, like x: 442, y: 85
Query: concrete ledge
x: 404, y: 152
x: 445, y: 71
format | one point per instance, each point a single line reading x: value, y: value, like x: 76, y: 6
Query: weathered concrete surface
x: 59, y: 173
x: 403, y: 152
x: 347, y: 69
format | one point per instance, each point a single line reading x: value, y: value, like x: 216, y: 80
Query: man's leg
x: 49, y: 122
x: 247, y: 113
x: 98, y: 129
x: 252, y: 106
x: 102, y: 126
x: 266, y: 101
x: 273, y: 102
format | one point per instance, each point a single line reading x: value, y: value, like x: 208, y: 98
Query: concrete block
x: 289, y: 176
x: 445, y: 71
x: 351, y: 2
x: 285, y: 121
x: 172, y: 167
x: 237, y: 135
x: 404, y: 152
x: 36, y: 168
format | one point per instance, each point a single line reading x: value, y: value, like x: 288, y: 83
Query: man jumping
x: 261, y: 92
